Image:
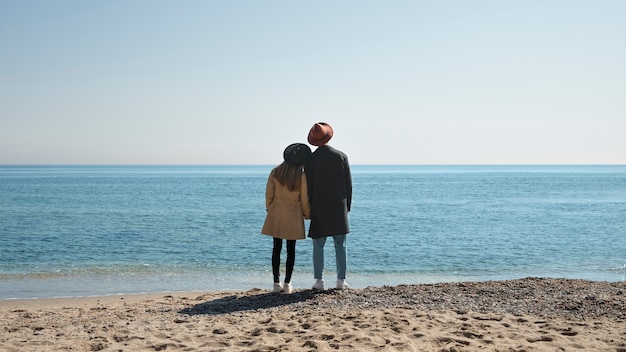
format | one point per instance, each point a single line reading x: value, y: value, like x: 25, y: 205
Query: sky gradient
x: 234, y: 82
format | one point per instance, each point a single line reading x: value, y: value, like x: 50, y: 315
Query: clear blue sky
x: 234, y: 82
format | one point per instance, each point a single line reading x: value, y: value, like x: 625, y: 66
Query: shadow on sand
x: 251, y: 301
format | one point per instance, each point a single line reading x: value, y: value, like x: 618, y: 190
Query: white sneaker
x: 287, y: 288
x: 342, y: 284
x: 278, y: 287
x: 319, y: 284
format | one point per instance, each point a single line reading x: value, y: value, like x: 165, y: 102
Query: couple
x: 315, y: 186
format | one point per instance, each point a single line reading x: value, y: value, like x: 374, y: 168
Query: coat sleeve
x: 348, y: 181
x: 304, y: 197
x: 269, y: 192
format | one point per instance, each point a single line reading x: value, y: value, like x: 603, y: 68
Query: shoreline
x: 78, y: 287
x: 523, y: 314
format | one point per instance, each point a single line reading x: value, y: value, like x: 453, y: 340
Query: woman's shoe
x: 278, y: 287
x: 287, y: 288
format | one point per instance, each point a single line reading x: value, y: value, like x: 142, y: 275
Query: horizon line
x: 352, y: 164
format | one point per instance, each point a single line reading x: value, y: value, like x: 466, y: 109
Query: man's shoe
x: 287, y: 288
x: 278, y: 287
x: 342, y: 284
x: 319, y: 284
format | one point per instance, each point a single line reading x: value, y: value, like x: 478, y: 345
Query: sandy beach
x: 529, y: 314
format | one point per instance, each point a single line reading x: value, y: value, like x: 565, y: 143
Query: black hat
x: 297, y: 154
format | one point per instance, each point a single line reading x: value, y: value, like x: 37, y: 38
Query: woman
x: 287, y: 205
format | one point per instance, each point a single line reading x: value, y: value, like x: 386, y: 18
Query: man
x: 330, y: 193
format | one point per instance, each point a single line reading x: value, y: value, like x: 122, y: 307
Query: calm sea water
x: 98, y: 230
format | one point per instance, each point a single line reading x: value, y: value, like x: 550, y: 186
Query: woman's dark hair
x: 289, y: 176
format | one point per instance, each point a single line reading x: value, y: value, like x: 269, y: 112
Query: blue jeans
x: 341, y: 254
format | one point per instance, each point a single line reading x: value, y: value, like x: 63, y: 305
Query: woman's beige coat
x: 286, y: 210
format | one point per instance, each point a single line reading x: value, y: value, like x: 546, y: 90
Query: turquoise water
x: 94, y: 230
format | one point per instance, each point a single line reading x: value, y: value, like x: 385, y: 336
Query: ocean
x: 70, y: 231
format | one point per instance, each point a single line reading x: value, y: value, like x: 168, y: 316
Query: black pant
x: 291, y: 258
